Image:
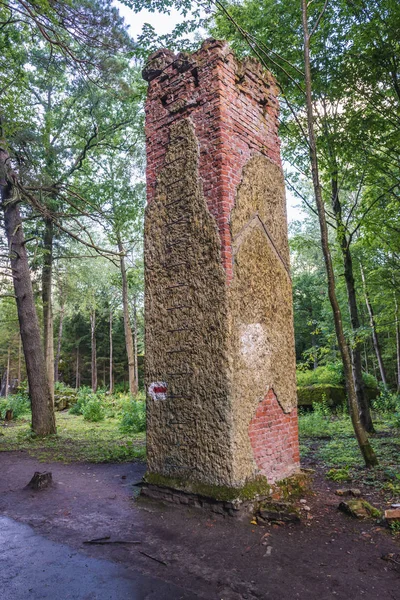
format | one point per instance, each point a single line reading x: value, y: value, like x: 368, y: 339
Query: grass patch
x: 328, y: 440
x: 77, y: 440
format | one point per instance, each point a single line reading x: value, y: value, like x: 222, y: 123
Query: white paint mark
x: 253, y: 345
x: 158, y: 390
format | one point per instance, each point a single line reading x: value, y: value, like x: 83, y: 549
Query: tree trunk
x: 19, y: 360
x: 111, y: 353
x: 135, y: 344
x: 8, y: 372
x: 43, y: 420
x: 94, y: 351
x: 77, y: 376
x: 59, y: 340
x: 47, y: 272
x: 356, y: 358
x: 375, y: 338
x: 133, y: 387
x: 366, y: 358
x: 361, y: 435
x: 397, y: 320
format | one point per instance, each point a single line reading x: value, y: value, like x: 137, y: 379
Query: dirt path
x: 211, y: 557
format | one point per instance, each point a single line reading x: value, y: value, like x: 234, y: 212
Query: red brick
x: 230, y: 125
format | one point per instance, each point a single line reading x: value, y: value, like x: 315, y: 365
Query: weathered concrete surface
x: 262, y: 353
x: 218, y: 300
x: 188, y: 433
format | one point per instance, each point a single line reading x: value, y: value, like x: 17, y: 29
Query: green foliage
x: 393, y: 486
x: 332, y: 395
x: 133, y: 416
x: 370, y: 381
x: 322, y: 408
x: 85, y: 394
x: 342, y: 474
x: 387, y: 402
x: 320, y: 422
x: 76, y: 440
x: 19, y: 403
x: 331, y: 373
x: 395, y: 527
x: 93, y: 410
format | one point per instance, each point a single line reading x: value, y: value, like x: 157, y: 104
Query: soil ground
x: 183, y: 553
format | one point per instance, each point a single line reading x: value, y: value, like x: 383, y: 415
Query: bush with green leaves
x: 133, y: 416
x: 19, y: 403
x: 84, y: 395
x: 386, y: 402
x: 93, y: 410
x: 329, y: 374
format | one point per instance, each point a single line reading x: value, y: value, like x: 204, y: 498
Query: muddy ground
x: 187, y: 553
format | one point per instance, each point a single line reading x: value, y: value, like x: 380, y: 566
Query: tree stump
x: 9, y: 415
x: 40, y: 481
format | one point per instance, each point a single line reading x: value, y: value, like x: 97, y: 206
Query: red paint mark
x: 160, y: 390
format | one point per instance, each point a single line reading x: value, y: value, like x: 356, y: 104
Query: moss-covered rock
x: 278, y: 511
x: 64, y: 398
x: 334, y: 395
x: 360, y: 509
x: 292, y: 487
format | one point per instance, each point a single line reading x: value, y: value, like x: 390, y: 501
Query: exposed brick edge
x: 274, y: 439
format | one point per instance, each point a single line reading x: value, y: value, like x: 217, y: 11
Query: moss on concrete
x: 334, y: 395
x: 258, y: 487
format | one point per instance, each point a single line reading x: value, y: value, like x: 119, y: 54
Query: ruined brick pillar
x: 220, y: 359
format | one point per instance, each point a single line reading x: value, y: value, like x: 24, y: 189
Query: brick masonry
x: 233, y: 109
x: 274, y: 438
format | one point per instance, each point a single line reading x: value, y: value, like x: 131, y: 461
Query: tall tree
x: 43, y: 421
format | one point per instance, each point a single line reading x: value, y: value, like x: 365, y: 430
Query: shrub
x: 370, y: 381
x: 93, y: 410
x: 331, y: 374
x: 84, y: 395
x: 19, y: 403
x: 133, y: 417
x: 386, y: 402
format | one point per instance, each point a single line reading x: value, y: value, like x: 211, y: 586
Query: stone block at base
x: 233, y: 502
